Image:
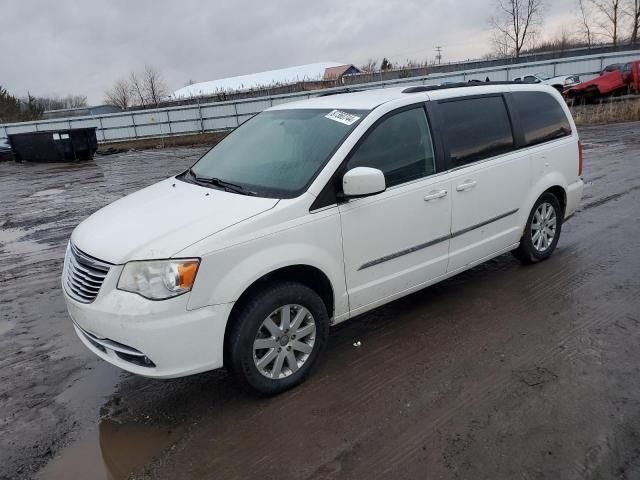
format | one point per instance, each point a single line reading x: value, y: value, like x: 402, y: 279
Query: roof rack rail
x: 344, y: 90
x: 470, y: 83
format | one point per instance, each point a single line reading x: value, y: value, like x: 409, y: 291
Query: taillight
x: 579, y: 158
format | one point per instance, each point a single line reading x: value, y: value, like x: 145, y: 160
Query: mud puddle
x: 123, y: 440
x: 111, y: 452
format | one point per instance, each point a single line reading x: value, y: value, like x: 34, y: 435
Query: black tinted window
x: 400, y: 146
x: 475, y: 128
x: 542, y: 117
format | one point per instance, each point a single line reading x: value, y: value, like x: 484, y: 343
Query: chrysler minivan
x: 316, y: 211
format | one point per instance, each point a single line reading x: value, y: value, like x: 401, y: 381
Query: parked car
x: 559, y: 82
x: 611, y: 68
x: 625, y: 79
x: 6, y: 153
x: 312, y: 213
x: 631, y: 76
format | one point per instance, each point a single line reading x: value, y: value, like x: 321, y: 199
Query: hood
x: 558, y: 78
x: 160, y: 220
x: 605, y: 83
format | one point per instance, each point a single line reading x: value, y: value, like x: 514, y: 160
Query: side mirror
x: 363, y: 181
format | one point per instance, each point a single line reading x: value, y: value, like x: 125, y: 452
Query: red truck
x: 624, y: 80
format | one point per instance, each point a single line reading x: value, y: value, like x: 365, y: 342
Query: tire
x: 284, y: 362
x: 534, y: 249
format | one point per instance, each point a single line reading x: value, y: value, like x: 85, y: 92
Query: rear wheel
x: 277, y: 337
x: 542, y: 231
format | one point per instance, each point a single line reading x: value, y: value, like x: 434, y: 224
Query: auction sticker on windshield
x: 342, y: 117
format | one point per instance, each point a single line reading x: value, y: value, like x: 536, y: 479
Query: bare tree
x: 370, y: 66
x: 136, y: 88
x: 154, y: 87
x: 501, y: 45
x: 119, y: 95
x: 565, y: 40
x: 633, y: 11
x: 609, y: 12
x: 61, y: 103
x: 516, y: 24
x: 386, y: 64
x: 585, y: 29
x: 75, y: 101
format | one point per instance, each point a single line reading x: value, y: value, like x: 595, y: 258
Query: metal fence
x: 217, y: 116
x: 499, y: 63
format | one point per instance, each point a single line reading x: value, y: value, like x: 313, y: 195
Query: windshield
x: 543, y: 76
x: 278, y: 153
x: 612, y: 67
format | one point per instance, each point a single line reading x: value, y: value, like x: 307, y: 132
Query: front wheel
x: 542, y: 231
x: 277, y: 337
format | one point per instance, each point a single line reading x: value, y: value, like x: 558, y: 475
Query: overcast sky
x: 81, y: 47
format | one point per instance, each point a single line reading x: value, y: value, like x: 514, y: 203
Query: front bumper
x: 159, y: 339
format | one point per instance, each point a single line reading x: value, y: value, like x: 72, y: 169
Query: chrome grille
x: 83, y: 275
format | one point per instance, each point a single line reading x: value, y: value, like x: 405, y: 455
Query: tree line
x: 14, y: 109
x: 62, y: 103
x: 516, y: 27
x: 517, y: 24
x: 17, y: 109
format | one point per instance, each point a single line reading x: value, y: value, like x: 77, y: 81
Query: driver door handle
x: 434, y: 194
x: 466, y: 185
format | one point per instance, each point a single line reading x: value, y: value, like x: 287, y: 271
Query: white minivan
x: 313, y: 212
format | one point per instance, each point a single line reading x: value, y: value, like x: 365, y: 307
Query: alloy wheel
x: 284, y: 341
x: 543, y: 227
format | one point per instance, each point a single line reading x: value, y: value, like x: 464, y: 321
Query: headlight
x: 159, y: 279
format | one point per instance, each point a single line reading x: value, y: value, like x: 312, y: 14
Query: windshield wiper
x: 228, y: 186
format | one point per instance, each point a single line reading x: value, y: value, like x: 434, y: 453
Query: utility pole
x: 439, y: 54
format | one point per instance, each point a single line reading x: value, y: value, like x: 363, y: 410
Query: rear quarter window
x: 475, y: 128
x: 541, y: 116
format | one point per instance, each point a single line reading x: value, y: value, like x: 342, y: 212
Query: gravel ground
x: 504, y: 371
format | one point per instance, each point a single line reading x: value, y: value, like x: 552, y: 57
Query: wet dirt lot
x: 505, y: 371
